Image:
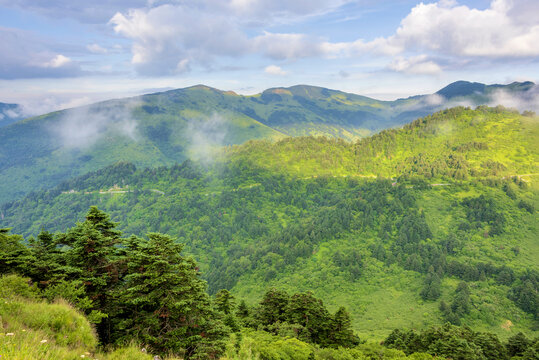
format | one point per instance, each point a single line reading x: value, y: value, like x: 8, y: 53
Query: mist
x: 521, y: 101
x: 82, y: 127
x: 205, y: 136
x: 528, y: 100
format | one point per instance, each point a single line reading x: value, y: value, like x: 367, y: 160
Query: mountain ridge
x: 168, y: 127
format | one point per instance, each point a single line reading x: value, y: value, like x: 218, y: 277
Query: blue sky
x: 63, y: 53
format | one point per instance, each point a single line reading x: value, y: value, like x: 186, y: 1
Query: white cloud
x: 463, y: 31
x: 522, y: 101
x: 274, y: 70
x: 419, y: 65
x: 287, y: 46
x: 171, y: 37
x: 96, y: 49
x: 57, y: 62
x: 25, y: 55
x: 166, y: 38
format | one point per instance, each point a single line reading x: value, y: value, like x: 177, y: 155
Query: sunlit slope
x: 168, y: 127
x: 459, y: 142
x: 314, y: 214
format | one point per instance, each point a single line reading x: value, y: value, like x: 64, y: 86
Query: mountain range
x: 169, y: 127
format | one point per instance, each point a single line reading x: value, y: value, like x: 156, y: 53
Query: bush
x: 14, y: 285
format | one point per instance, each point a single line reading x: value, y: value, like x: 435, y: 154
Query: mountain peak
x: 461, y: 88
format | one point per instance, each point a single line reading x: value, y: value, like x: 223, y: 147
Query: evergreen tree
x: 46, y: 267
x: 90, y: 260
x: 14, y: 256
x: 306, y: 310
x: 517, y: 345
x: 224, y: 301
x: 242, y: 311
x: 273, y: 307
x: 166, y: 305
x: 341, y: 333
x: 431, y: 286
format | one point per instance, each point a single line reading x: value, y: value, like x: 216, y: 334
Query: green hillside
x: 452, y: 237
x: 169, y: 127
x: 33, y: 329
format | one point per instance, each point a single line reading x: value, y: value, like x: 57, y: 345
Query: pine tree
x: 90, y: 259
x: 14, y: 256
x: 306, y: 310
x: 242, y: 311
x: 166, y: 305
x: 224, y: 301
x: 46, y: 266
x: 273, y: 307
x: 341, y: 330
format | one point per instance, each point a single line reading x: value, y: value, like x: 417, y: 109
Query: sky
x: 63, y: 53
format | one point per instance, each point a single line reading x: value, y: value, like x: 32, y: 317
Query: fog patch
x: 81, y: 127
x: 206, y: 136
x: 522, y: 100
x: 13, y: 112
x: 528, y: 100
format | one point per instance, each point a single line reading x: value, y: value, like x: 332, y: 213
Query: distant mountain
x: 9, y: 113
x: 169, y: 127
x: 390, y: 226
x: 474, y: 89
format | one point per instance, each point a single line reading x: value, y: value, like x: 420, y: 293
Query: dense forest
x: 145, y: 290
x: 305, y: 247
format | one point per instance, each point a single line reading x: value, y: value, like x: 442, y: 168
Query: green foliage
x: 133, y: 289
x: 16, y: 286
x: 449, y: 342
x: 299, y: 215
x: 224, y: 302
x: 164, y: 302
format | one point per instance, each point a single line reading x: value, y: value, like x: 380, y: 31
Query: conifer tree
x: 341, y: 333
x: 166, y: 305
x: 224, y: 301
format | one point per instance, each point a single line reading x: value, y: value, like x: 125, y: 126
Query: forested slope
x: 170, y: 127
x: 452, y: 237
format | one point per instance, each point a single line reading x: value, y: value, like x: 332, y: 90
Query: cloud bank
x: 169, y: 38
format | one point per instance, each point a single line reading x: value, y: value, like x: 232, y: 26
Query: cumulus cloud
x: 167, y: 38
x: 57, y: 62
x: 418, y: 65
x: 274, y: 70
x: 170, y: 37
x: 448, y: 28
x: 27, y: 56
x: 174, y: 36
